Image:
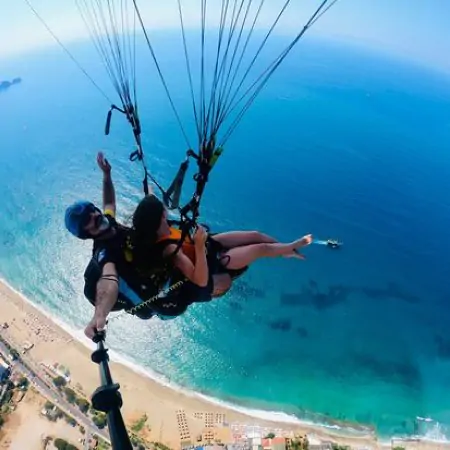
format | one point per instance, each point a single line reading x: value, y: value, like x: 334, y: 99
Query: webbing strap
x: 138, y: 154
x: 206, y: 159
x: 173, y: 194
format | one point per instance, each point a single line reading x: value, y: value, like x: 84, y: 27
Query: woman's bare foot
x: 302, y: 242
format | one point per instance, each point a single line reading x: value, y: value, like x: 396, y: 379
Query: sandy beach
x: 172, y: 416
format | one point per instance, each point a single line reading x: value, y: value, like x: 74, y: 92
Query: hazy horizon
x: 417, y: 33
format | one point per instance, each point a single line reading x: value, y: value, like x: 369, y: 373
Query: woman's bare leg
x: 240, y: 257
x: 234, y: 239
x: 238, y: 238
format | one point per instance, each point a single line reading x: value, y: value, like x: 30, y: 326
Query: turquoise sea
x: 342, y: 143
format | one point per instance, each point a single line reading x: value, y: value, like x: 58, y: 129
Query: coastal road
x: 2, y: 393
x: 86, y: 440
x: 87, y: 436
x: 53, y: 395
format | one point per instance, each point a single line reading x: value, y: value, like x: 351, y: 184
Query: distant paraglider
x: 330, y: 243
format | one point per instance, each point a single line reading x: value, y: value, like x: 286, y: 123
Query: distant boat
x: 332, y: 243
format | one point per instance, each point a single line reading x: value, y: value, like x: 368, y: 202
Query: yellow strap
x: 110, y: 212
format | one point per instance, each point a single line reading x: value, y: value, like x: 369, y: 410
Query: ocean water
x: 341, y: 143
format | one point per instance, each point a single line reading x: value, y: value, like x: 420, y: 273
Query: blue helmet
x: 77, y: 216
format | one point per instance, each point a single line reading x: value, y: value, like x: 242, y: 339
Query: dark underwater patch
x: 403, y: 372
x: 236, y: 306
x: 302, y: 332
x: 443, y: 347
x: 323, y: 298
x: 280, y: 324
x: 393, y: 290
x: 312, y: 295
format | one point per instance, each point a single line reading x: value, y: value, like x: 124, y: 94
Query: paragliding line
x: 67, y: 51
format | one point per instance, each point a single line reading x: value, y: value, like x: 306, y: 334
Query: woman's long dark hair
x: 146, y: 222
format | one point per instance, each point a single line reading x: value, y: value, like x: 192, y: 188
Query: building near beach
x: 5, y: 370
x: 277, y: 443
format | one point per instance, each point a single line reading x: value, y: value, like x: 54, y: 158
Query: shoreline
x: 139, y: 384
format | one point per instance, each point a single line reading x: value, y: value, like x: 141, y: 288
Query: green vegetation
x: 7, y: 406
x: 83, y: 404
x: 59, y: 414
x: 54, y: 413
x: 100, y: 420
x: 270, y: 436
x: 23, y: 382
x: 5, y: 409
x: 48, y: 405
x: 64, y: 370
x: 339, y: 447
x: 8, y: 396
x: 300, y: 444
x: 59, y: 382
x: 61, y: 444
x: 161, y: 446
x: 102, y: 445
x: 139, y: 425
x: 140, y: 443
x: 14, y: 354
x: 70, y: 395
x: 398, y: 448
x: 70, y: 420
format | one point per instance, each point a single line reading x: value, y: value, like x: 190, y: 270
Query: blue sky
x: 413, y: 29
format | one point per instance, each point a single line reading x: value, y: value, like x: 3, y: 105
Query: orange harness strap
x: 188, y: 245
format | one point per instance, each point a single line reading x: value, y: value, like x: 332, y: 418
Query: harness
x: 175, y: 237
x: 141, y: 293
x: 155, y: 291
x: 213, y: 251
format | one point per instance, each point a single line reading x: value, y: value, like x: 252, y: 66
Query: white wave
x: 436, y: 434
